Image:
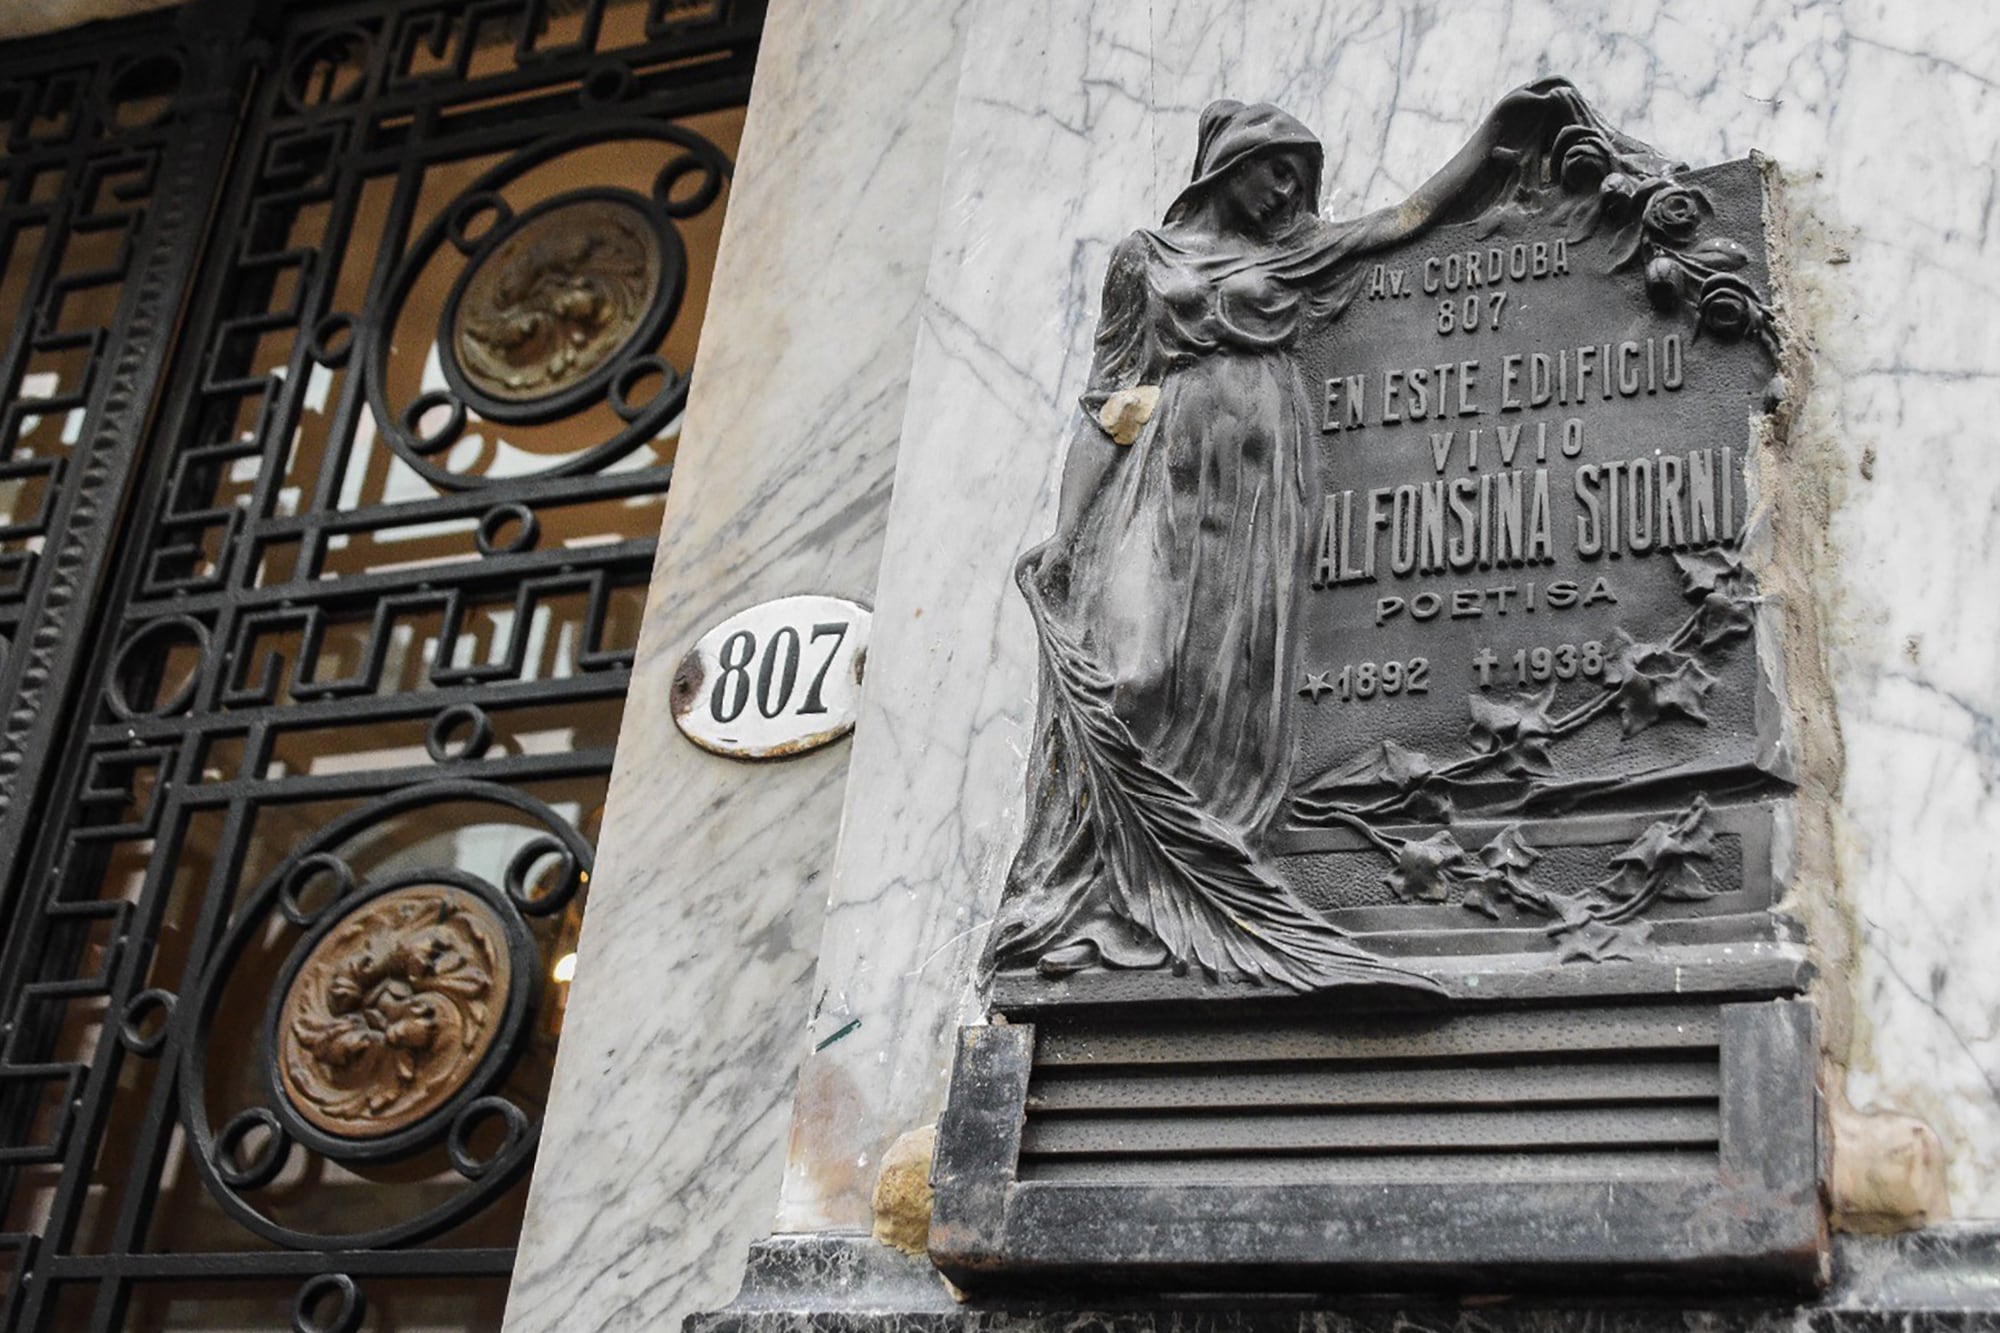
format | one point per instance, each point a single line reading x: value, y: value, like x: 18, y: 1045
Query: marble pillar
x: 660, y: 1158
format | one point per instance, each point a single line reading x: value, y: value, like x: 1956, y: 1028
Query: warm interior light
x: 565, y: 968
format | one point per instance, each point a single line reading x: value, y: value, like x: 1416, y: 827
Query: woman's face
x: 1265, y: 191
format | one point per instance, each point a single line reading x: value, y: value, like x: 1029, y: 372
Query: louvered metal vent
x: 1295, y: 1145
x: 1577, y: 1094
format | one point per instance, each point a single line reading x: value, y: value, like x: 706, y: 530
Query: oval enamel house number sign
x: 775, y: 680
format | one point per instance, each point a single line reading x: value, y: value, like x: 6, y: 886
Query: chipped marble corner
x: 902, y: 1198
x: 1888, y: 1171
x: 1799, y: 476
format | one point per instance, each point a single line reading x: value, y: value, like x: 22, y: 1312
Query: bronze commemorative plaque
x: 1411, y: 803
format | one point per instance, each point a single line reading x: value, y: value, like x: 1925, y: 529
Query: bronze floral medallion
x: 556, y: 298
x: 393, y: 1010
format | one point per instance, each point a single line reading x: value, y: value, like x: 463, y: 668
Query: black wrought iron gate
x: 345, y: 354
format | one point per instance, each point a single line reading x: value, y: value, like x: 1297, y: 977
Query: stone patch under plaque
x: 1411, y: 800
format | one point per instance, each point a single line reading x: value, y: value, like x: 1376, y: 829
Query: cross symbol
x: 1317, y: 683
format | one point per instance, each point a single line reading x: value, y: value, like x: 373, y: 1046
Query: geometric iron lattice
x: 349, y: 361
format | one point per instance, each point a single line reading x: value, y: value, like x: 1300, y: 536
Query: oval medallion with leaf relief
x: 393, y: 1010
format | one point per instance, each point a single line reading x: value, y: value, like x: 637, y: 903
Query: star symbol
x: 1317, y: 683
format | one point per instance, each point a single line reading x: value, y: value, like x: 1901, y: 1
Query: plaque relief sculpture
x: 1167, y: 600
x: 555, y: 299
x: 1403, y: 651
x: 392, y: 1011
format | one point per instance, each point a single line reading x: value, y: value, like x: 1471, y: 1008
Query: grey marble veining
x: 1075, y: 123
x: 1944, y: 1280
x: 1039, y: 184
x: 660, y: 1160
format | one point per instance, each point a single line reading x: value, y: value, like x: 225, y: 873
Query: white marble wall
x: 1075, y: 122
x: 1041, y: 181
x: 661, y: 1156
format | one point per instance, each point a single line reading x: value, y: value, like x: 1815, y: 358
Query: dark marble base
x: 1945, y: 1279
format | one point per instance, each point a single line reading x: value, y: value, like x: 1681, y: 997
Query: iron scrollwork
x: 553, y: 312
x: 398, y: 1010
x: 348, y: 1053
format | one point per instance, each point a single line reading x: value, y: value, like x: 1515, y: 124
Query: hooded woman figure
x: 1165, y: 602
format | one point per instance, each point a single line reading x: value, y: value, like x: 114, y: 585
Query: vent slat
x: 1360, y: 1168
x: 1370, y: 1132
x: 1205, y: 1086
x: 1637, y: 1030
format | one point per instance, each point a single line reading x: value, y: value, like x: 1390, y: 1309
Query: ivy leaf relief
x: 1402, y: 767
x: 1677, y: 882
x: 1589, y: 939
x: 1426, y: 871
x: 1387, y: 764
x: 1653, y: 681
x: 1723, y: 616
x: 1509, y: 851
x: 1506, y: 861
x: 1717, y: 568
x: 1427, y: 804
x: 1482, y: 897
x: 1411, y: 774
x: 1414, y: 776
x: 1518, y: 732
x: 1659, y: 863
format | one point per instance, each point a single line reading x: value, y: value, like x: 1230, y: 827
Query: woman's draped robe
x: 1166, y: 606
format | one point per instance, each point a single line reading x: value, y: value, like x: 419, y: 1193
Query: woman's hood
x: 1230, y: 133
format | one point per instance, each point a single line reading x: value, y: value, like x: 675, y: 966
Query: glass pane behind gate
x: 294, y: 941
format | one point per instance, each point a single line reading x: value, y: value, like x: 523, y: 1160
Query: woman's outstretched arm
x: 1521, y: 122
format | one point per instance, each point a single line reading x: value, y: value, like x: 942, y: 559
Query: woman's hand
x: 1533, y: 101
x: 1126, y: 412
x: 1529, y: 116
x: 1524, y: 121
